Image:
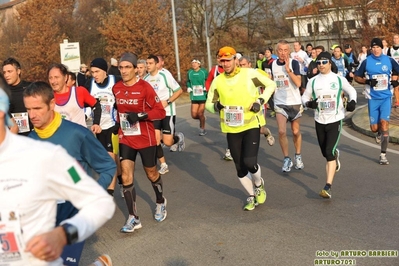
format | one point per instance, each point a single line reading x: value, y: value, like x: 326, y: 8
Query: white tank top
x: 71, y: 110
x: 286, y: 93
x: 107, y: 101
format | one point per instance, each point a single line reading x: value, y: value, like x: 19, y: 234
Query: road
x: 207, y: 226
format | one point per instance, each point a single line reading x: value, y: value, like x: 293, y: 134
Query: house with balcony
x: 327, y: 22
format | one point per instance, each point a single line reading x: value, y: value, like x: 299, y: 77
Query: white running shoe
x: 181, y: 145
x: 227, y: 155
x: 287, y: 165
x: 160, y: 211
x: 298, y: 162
x: 164, y: 169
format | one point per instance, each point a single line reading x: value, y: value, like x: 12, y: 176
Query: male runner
x: 239, y: 103
x: 79, y: 142
x: 138, y: 107
x: 168, y: 90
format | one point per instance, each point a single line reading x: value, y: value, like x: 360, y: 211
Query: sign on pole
x: 70, y: 55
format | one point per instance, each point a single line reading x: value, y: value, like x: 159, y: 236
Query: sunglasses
x: 321, y: 62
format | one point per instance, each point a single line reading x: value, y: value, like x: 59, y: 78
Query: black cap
x: 376, y: 42
x: 347, y: 46
x: 100, y: 63
x: 324, y: 55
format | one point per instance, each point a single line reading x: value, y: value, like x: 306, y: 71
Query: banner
x: 70, y: 55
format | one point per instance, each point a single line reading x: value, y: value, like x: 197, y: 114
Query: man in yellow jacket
x: 235, y: 95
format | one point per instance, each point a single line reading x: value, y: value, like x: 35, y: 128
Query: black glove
x: 115, y: 128
x: 134, y: 117
x: 218, y: 106
x: 372, y: 82
x: 394, y: 83
x: 255, y: 107
x: 312, y: 104
x: 350, y: 106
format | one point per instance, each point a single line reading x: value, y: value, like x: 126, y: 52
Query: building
x: 327, y: 22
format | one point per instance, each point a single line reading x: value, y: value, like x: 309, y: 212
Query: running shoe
x: 298, y: 162
x: 260, y: 193
x: 378, y: 138
x: 202, y: 132
x: 269, y: 137
x: 250, y: 204
x: 121, y: 190
x: 325, y: 193
x: 338, y: 163
x: 181, y: 145
x: 160, y: 211
x: 227, y: 155
x: 287, y: 164
x: 164, y: 169
x: 173, y: 147
x: 104, y: 259
x: 383, y: 159
x: 131, y: 224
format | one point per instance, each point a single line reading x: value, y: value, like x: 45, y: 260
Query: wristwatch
x: 168, y: 101
x: 71, y: 233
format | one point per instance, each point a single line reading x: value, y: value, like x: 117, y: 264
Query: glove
x: 312, y: 104
x: 394, y: 83
x: 115, y: 128
x: 189, y: 90
x: 255, y: 107
x: 371, y: 82
x: 350, y: 106
x: 218, y: 106
x: 134, y: 117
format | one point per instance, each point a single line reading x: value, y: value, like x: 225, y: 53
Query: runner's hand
x: 350, y: 106
x: 134, y: 117
x: 371, y: 82
x: 255, y: 107
x: 218, y: 106
x: 312, y: 104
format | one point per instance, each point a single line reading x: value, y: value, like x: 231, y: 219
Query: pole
x: 175, y: 41
x: 208, y: 46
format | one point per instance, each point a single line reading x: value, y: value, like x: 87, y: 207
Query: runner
x: 78, y: 141
x: 241, y: 118
x: 100, y: 87
x: 12, y: 75
x: 378, y: 72
x: 323, y: 93
x: 196, y: 78
x: 138, y: 107
x: 70, y: 101
x: 49, y: 174
x: 168, y: 90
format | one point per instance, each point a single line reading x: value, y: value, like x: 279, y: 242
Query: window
x: 351, y: 24
x: 310, y: 30
x: 316, y: 27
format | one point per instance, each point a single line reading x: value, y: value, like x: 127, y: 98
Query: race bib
x: 234, y: 116
x: 198, y: 90
x: 22, y: 120
x: 327, y: 104
x: 382, y: 82
x: 127, y: 128
x: 106, y: 109
x: 12, y: 245
x: 282, y: 82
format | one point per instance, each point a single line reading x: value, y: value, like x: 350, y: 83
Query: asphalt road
x: 207, y: 226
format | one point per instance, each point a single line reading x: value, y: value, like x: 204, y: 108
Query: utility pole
x: 176, y: 42
x: 208, y: 46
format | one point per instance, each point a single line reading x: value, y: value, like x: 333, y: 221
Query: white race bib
x: 198, y: 90
x: 127, y: 128
x: 282, y: 82
x: 234, y: 116
x: 327, y: 104
x: 22, y: 120
x: 382, y: 82
x: 12, y: 245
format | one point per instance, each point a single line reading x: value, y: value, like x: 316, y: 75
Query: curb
x: 360, y: 122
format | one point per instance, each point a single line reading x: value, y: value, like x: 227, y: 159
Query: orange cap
x: 227, y: 52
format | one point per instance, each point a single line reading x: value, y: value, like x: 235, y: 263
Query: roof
x: 10, y: 4
x: 321, y: 7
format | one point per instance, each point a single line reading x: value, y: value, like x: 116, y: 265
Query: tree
x: 145, y: 27
x: 42, y: 21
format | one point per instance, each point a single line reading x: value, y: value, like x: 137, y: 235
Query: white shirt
x: 304, y: 58
x: 107, y: 101
x: 164, y: 85
x: 33, y: 176
x: 327, y: 88
x: 286, y: 93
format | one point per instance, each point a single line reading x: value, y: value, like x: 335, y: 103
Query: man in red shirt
x: 70, y: 101
x: 138, y: 106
